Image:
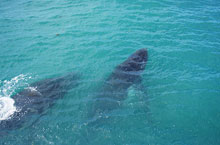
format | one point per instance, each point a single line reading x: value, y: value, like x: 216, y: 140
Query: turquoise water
x: 181, y: 82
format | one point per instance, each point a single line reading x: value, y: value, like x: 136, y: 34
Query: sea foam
x: 7, y: 89
x: 7, y: 108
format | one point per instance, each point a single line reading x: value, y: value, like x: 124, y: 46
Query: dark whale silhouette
x: 115, y: 87
x: 38, y: 97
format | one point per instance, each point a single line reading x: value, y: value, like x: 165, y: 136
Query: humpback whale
x: 38, y: 97
x: 114, y: 90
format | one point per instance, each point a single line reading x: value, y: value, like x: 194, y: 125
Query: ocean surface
x: 180, y: 96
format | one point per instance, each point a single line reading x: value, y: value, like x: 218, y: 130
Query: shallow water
x: 179, y: 101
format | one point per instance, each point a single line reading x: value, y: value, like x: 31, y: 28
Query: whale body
x: 114, y: 90
x: 38, y: 97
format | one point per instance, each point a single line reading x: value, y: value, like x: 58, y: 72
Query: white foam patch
x: 33, y: 89
x: 7, y: 89
x: 7, y: 108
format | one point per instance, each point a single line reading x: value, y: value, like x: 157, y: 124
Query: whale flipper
x: 114, y: 90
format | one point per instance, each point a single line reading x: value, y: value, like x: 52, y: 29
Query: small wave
x: 8, y: 87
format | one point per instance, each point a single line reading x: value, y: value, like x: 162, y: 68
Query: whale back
x: 38, y: 97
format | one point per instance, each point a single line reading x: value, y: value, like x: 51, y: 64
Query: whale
x: 37, y: 98
x: 115, y: 88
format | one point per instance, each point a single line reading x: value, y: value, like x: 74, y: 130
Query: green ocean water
x: 179, y: 101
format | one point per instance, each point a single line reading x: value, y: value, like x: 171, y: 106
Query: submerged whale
x: 38, y: 97
x: 115, y: 88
